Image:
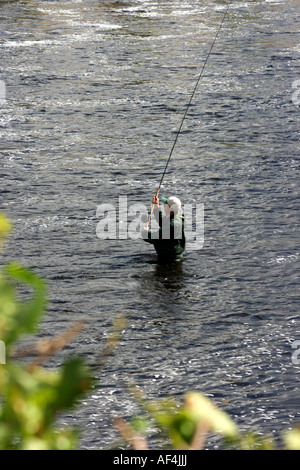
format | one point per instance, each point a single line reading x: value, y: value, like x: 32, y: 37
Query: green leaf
x: 20, y: 317
x: 74, y: 381
x: 202, y: 409
x: 5, y: 228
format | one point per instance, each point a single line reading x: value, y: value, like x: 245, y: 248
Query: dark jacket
x: 169, y: 238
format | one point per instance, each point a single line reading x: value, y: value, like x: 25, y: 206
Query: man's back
x: 169, y: 239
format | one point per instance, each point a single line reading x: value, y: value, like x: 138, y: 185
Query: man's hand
x: 155, y: 201
x: 144, y: 232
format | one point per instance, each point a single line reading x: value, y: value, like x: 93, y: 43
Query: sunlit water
x: 95, y: 92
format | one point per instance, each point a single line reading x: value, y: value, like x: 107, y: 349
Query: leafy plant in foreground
x: 31, y: 397
x: 187, y: 425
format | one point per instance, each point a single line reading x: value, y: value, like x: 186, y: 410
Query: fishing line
x: 187, y: 108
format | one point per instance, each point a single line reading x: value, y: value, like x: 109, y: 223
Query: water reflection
x: 165, y: 288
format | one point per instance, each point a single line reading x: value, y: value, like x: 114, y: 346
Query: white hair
x: 175, y: 204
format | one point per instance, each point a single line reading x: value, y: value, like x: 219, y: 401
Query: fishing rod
x: 187, y: 109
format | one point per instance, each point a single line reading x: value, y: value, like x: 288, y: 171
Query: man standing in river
x: 169, y: 238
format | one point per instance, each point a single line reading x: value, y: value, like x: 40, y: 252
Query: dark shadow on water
x: 166, y: 276
x: 172, y: 272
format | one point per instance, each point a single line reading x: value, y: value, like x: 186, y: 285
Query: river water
x: 93, y: 93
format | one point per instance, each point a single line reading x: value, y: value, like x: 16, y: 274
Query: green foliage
x: 5, y: 228
x: 31, y: 397
x: 18, y: 317
x: 187, y: 425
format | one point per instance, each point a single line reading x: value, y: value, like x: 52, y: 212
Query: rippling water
x: 95, y: 92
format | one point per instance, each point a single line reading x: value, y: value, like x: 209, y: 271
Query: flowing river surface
x: 93, y: 93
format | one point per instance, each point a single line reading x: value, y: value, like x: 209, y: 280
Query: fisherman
x: 169, y: 238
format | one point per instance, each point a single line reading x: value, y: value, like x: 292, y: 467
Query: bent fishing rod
x: 187, y: 109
